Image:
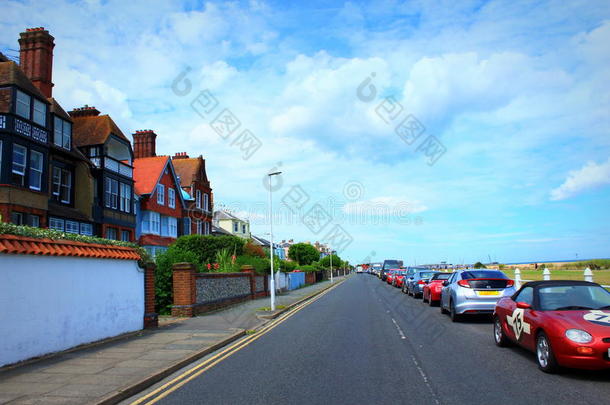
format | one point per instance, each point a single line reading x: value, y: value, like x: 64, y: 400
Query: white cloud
x: 589, y: 177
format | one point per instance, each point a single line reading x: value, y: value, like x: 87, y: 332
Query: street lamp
x: 331, y: 266
x: 271, y: 247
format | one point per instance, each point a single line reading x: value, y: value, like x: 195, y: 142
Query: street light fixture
x: 331, y: 266
x: 271, y: 247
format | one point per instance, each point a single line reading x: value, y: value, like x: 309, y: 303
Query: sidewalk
x: 112, y: 371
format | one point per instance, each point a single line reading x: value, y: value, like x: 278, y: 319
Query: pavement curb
x: 126, y: 392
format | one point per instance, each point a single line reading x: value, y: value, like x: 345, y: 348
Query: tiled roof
x: 57, y: 110
x: 147, y: 172
x: 48, y: 247
x: 188, y: 169
x: 94, y: 130
x: 11, y: 73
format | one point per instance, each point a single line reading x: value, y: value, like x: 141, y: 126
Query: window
x: 17, y: 218
x: 171, y: 197
x: 198, y: 198
x: 62, y: 185
x: 0, y: 159
x: 206, y: 201
x: 72, y: 227
x: 111, y: 193
x: 19, y: 156
x: 235, y: 227
x: 173, y: 227
x: 164, y: 226
x: 155, y: 222
x: 207, y: 228
x: 111, y: 233
x: 161, y: 194
x: 198, y: 223
x: 243, y: 229
x: 36, y: 160
x: 187, y: 226
x: 23, y: 105
x: 125, y: 236
x: 33, y: 220
x: 125, y: 205
x: 63, y: 133
x: 526, y: 295
x: 86, y: 229
x: 56, y: 223
x: 40, y: 113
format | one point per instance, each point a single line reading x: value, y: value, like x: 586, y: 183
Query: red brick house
x: 161, y: 207
x: 194, y: 181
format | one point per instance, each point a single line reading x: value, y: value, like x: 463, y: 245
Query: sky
x: 426, y: 131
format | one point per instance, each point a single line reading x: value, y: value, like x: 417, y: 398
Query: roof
x: 261, y: 241
x: 147, y: 172
x: 57, y: 110
x: 13, y: 244
x: 188, y: 169
x: 94, y: 130
x: 218, y: 230
x: 226, y: 215
x: 11, y: 73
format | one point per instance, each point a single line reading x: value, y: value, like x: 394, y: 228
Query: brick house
x: 161, y: 206
x: 40, y: 167
x: 100, y: 139
x: 197, y: 192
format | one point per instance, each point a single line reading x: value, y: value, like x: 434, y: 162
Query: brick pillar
x: 151, y: 319
x: 185, y: 294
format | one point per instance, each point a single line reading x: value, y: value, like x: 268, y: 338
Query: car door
x: 519, y: 320
x: 446, y: 291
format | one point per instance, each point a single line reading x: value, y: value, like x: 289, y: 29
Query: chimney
x: 36, y: 58
x: 85, y: 111
x: 144, y: 143
x: 181, y: 155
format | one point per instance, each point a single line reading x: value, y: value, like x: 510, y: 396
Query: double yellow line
x: 177, y: 382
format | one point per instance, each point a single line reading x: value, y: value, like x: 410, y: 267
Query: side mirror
x: 445, y: 283
x: 523, y: 305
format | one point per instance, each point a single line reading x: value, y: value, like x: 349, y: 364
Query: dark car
x: 415, y: 284
x: 388, y: 265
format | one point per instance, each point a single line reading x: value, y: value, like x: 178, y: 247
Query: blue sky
x: 517, y: 93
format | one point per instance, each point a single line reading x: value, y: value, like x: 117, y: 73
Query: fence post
x: 517, y: 278
x: 546, y: 274
x: 588, y: 275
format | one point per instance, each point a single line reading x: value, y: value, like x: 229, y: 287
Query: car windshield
x: 441, y: 276
x: 466, y: 275
x: 426, y: 274
x: 573, y: 297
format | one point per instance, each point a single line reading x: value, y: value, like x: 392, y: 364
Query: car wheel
x: 455, y: 317
x: 499, y: 336
x: 544, y: 354
x: 432, y: 303
x: 423, y: 298
x: 443, y: 310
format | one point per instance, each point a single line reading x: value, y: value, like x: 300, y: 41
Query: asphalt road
x: 366, y: 342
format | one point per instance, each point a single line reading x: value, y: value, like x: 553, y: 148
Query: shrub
x: 251, y: 249
x: 261, y: 265
x: 205, y: 247
x: 287, y: 266
x: 303, y: 253
x: 163, y: 276
x: 308, y: 268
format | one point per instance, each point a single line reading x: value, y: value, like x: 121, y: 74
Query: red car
x: 566, y: 323
x: 399, y: 278
x: 390, y: 276
x: 432, y: 290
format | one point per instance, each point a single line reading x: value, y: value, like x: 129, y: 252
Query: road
x: 366, y: 342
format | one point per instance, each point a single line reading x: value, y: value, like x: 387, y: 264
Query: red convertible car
x: 566, y: 323
x: 432, y: 290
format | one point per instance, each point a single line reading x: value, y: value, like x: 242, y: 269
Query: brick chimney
x: 85, y: 111
x: 144, y: 143
x: 36, y: 58
x: 181, y: 155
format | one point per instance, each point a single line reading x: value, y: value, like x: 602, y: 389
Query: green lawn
x: 599, y: 276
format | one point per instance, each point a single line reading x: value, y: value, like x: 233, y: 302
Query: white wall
x: 50, y: 303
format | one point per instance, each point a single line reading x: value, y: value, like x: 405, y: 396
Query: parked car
x: 389, y: 276
x: 376, y: 268
x: 399, y: 278
x: 432, y: 290
x: 409, y: 273
x: 359, y: 269
x: 416, y: 282
x: 566, y: 323
x: 390, y: 264
x: 474, y: 291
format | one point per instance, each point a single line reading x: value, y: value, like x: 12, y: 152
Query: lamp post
x: 331, y: 266
x: 271, y: 247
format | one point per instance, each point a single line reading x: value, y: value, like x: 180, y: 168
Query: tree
x: 325, y: 262
x: 205, y: 247
x: 303, y: 253
x: 479, y: 265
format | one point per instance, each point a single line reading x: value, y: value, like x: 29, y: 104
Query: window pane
x: 33, y: 220
x: 36, y: 160
x: 56, y: 223
x: 57, y: 131
x: 17, y: 218
x: 86, y: 229
x: 23, y: 105
x: 67, y: 135
x: 19, y: 154
x: 40, y: 113
x: 72, y: 227
x: 56, y: 181
x: 66, y: 186
x: 161, y: 194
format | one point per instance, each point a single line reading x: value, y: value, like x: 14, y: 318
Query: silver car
x: 474, y: 291
x: 416, y: 282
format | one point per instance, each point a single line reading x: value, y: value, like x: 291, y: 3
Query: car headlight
x: 578, y: 336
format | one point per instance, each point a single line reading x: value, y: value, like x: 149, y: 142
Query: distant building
x: 278, y: 250
x: 232, y: 224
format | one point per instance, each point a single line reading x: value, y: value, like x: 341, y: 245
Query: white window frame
x: 186, y: 226
x: 243, y: 228
x: 206, y: 201
x: 207, y: 228
x: 155, y: 223
x: 72, y: 227
x: 39, y: 116
x: 115, y: 230
x: 22, y: 166
x: 57, y: 224
x: 66, y: 135
x: 198, y: 198
x: 160, y: 194
x: 123, y: 233
x: 125, y: 198
x: 36, y: 171
x: 198, y: 223
x: 165, y: 225
x: 65, y: 174
x: 171, y: 198
x: 86, y: 228
x: 172, y: 227
x: 21, y: 105
x: 235, y: 227
x: 34, y: 219
x: 0, y: 158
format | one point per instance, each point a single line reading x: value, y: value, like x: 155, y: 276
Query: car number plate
x: 488, y: 292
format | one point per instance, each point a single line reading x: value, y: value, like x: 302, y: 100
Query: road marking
x: 196, y: 371
x: 400, y: 332
x: 425, y: 378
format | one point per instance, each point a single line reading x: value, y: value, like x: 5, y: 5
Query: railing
x: 546, y: 275
x: 113, y: 165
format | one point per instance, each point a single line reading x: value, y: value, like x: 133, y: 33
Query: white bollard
x: 546, y: 274
x: 588, y: 275
x: 517, y: 278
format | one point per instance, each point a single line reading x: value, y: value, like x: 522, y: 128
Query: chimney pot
x: 85, y: 111
x: 144, y: 143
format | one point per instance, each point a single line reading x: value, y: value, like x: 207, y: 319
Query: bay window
x: 61, y: 189
x: 23, y: 105
x: 19, y: 163
x: 62, y: 130
x: 36, y: 161
x: 40, y: 113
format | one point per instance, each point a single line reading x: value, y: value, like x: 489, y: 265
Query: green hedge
x: 163, y: 276
x: 205, y: 247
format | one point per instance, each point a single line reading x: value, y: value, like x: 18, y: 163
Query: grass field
x: 599, y: 276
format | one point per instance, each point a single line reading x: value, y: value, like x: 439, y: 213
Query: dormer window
x: 62, y: 133
x: 23, y: 108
